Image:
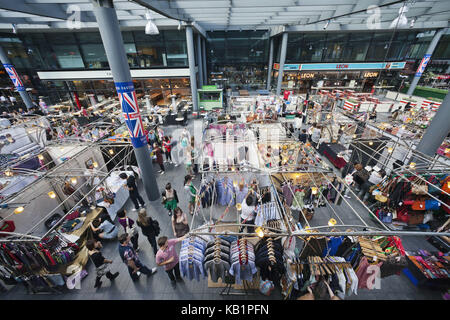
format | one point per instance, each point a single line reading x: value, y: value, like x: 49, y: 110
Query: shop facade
x: 301, y: 78
x: 61, y: 65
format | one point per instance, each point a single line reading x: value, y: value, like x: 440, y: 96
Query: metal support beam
x: 282, y: 60
x: 425, y: 60
x: 205, y: 74
x: 15, y: 78
x: 49, y: 10
x: 191, y: 58
x: 112, y: 41
x: 437, y: 131
x: 199, y: 60
x: 269, y: 69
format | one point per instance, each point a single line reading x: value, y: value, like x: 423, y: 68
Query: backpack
x: 156, y: 228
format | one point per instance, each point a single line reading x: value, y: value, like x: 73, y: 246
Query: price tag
x: 375, y: 258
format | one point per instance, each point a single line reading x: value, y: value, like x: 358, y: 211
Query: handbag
x: 131, y: 231
x: 419, y: 187
x: 381, y: 198
x: 415, y: 218
x: 432, y: 204
x: 446, y: 185
x: 418, y: 205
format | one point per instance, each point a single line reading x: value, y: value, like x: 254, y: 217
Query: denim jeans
x: 142, y: 269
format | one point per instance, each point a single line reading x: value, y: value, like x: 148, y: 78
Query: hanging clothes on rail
x: 269, y: 258
x: 266, y: 212
x: 225, y: 192
x: 217, y: 261
x: 242, y: 260
x: 191, y: 258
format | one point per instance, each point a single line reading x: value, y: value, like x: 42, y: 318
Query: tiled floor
x: 158, y: 286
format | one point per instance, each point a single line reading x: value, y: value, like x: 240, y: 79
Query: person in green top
x: 170, y: 198
x: 191, y: 192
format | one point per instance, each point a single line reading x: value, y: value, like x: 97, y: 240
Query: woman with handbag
x: 169, y: 198
x: 129, y: 227
x: 375, y: 178
x: 180, y: 224
x: 150, y: 228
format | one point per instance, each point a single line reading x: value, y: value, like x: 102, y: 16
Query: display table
x: 115, y: 184
x: 331, y: 151
x: 79, y: 235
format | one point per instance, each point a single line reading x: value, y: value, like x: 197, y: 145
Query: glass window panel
x: 68, y: 56
x: 140, y: 36
x: 177, y: 53
x: 149, y: 55
x: 61, y: 38
x: 127, y: 36
x: 94, y: 56
x: 89, y: 37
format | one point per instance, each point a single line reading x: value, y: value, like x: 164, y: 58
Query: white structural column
x: 282, y: 60
x: 191, y: 59
x: 108, y: 25
x: 269, y: 69
x: 437, y: 131
x: 205, y: 74
x: 199, y: 60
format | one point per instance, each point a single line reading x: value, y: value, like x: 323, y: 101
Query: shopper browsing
x: 129, y: 227
x: 159, y: 157
x: 248, y: 212
x: 167, y: 256
x: 132, y: 188
x: 100, y: 262
x: 167, y: 148
x: 130, y: 258
x: 180, y: 224
x: 315, y: 135
x: 103, y: 229
x: 191, y: 192
x: 303, y: 136
x: 150, y: 228
x: 169, y: 198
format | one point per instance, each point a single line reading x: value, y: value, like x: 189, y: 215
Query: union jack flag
x: 14, y: 76
x: 423, y: 65
x: 131, y: 113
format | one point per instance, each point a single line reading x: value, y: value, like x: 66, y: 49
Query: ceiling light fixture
x: 412, y: 22
x: 52, y: 195
x: 401, y: 21
x: 150, y: 27
x: 179, y: 25
x: 14, y: 27
x: 326, y: 25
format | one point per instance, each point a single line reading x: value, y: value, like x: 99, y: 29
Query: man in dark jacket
x: 303, y: 136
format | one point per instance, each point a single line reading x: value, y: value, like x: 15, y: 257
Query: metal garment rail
x: 50, y: 174
x: 70, y: 211
x: 416, y: 175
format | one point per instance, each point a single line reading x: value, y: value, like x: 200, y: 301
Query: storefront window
x: 180, y: 86
x: 68, y: 56
x: 94, y: 56
x: 357, y: 46
x: 176, y: 53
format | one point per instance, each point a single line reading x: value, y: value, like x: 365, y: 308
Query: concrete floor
x: 158, y: 286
